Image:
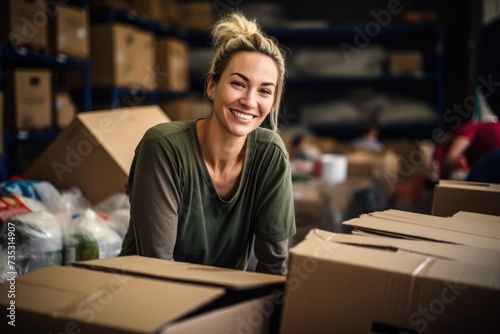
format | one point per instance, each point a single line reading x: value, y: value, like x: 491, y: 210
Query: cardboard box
x: 145, y: 60
x: 172, y: 60
x: 184, y: 109
x: 402, y: 224
x: 65, y: 109
x: 451, y: 197
x: 472, y: 216
x: 171, y: 12
x: 122, y: 56
x: 24, y: 26
x: 197, y: 15
x: 69, y: 32
x: 405, y: 62
x: 95, y: 152
x: 247, y: 301
x: 57, y: 298
x: 336, y: 287
x: 28, y: 97
x: 152, y: 9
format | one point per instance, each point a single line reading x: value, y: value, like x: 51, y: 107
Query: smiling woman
x: 207, y: 190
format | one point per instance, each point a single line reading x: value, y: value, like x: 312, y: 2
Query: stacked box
x: 28, y: 97
x: 26, y: 25
x: 145, y: 295
x: 122, y: 56
x: 419, y: 274
x: 172, y: 59
x: 69, y: 32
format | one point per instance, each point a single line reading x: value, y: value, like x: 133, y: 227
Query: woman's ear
x: 210, y: 87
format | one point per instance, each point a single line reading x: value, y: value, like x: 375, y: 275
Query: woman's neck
x: 220, y: 151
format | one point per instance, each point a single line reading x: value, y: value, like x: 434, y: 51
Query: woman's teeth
x: 241, y: 115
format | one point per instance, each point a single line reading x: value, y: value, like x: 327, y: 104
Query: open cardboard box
x: 451, y: 197
x: 355, y: 284
x: 95, y: 152
x: 402, y: 224
x: 145, y: 295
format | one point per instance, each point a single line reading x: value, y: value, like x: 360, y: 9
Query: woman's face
x: 245, y: 93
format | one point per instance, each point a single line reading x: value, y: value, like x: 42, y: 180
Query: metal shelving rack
x: 429, y: 36
x: 22, y: 57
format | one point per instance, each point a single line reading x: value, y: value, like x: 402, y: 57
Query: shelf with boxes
x: 41, y: 42
x: 141, y: 59
x: 342, y: 75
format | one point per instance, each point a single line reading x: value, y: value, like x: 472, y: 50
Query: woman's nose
x: 249, y: 100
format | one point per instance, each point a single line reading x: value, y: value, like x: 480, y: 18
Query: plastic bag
x: 116, y: 209
x: 88, y: 237
x: 38, y: 240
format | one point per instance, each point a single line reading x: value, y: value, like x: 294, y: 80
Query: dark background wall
x: 462, y: 20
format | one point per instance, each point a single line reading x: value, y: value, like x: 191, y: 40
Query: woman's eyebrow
x: 247, y: 80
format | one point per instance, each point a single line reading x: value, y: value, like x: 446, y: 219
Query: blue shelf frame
x: 24, y: 58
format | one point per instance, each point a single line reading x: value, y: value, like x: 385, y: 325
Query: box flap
x: 461, y: 253
x: 480, y: 228
x: 404, y: 229
x: 469, y: 185
x: 316, y: 247
x: 422, y: 226
x: 184, y: 272
x: 98, y: 299
x: 112, y: 129
x: 473, y: 216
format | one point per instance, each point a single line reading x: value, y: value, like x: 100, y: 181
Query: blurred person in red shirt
x: 467, y: 146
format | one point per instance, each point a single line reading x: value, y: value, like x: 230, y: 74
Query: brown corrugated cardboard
x: 251, y: 302
x: 122, y: 56
x: 420, y: 226
x: 334, y: 287
x: 53, y: 298
x: 197, y: 15
x: 26, y: 25
x: 453, y: 196
x: 172, y: 60
x: 184, y: 108
x: 70, y: 34
x: 406, y: 62
x: 145, y: 60
x: 95, y: 151
x: 464, y: 215
x: 462, y: 253
x: 181, y: 271
x: 28, y: 97
x: 478, y: 227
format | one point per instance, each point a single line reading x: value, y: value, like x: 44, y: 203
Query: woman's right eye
x: 237, y: 84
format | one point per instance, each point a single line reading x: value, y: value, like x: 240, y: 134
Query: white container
x: 334, y: 168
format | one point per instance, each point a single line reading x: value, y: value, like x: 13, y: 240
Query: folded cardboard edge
x: 184, y: 272
x: 454, y: 252
x: 316, y: 247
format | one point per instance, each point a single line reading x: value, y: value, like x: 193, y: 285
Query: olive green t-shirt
x: 176, y: 213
